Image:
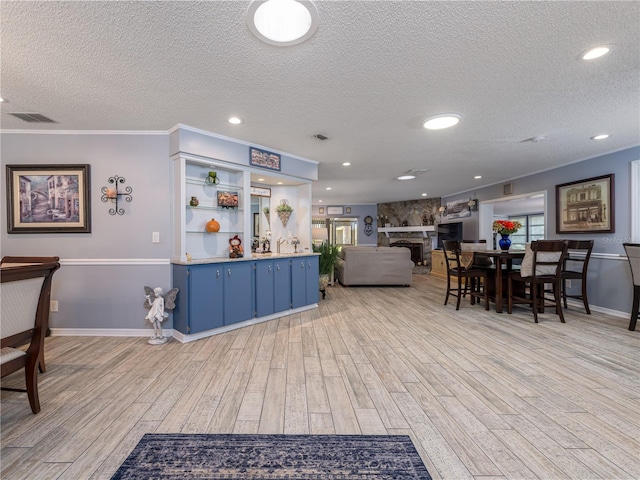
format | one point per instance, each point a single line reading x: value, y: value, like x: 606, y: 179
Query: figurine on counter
x: 235, y: 247
x: 255, y: 244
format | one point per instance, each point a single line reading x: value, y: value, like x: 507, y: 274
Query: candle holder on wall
x: 113, y: 194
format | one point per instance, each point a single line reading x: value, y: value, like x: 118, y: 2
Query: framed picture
x: 264, y: 159
x: 335, y: 211
x: 586, y: 206
x: 321, y: 210
x: 348, y: 210
x: 227, y: 199
x: 48, y: 199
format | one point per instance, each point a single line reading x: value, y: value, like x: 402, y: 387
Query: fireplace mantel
x: 424, y: 229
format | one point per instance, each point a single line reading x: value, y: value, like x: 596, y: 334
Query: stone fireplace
x: 416, y: 247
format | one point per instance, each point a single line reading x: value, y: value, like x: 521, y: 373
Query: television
x: 449, y: 231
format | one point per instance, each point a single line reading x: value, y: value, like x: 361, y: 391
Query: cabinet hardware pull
x: 278, y: 268
x: 217, y: 274
x: 269, y: 268
x: 228, y: 272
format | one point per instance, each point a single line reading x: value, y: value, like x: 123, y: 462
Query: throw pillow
x: 526, y: 268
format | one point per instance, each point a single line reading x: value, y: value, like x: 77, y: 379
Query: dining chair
x: 633, y: 255
x: 457, y: 270
x: 575, y: 268
x: 14, y: 260
x: 472, y: 257
x: 24, y: 295
x: 542, y: 263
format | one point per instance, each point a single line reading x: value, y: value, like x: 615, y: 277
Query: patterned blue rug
x: 273, y: 457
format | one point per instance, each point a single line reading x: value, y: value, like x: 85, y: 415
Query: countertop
x: 247, y: 258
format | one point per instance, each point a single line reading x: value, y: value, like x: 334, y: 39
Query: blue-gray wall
x: 100, y: 283
x: 609, y: 280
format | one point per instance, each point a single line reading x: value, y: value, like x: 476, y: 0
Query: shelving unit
x: 189, y: 180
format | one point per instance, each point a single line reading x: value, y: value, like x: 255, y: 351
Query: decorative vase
x: 504, y: 242
x: 212, y: 226
x: 194, y: 202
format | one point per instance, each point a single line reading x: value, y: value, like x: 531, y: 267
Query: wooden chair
x: 633, y: 254
x: 541, y: 264
x: 457, y: 270
x: 11, y: 260
x: 577, y: 269
x: 25, y: 295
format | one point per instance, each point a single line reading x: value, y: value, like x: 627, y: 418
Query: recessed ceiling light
x: 1, y: 100
x: 444, y: 120
x: 424, y: 194
x: 235, y: 121
x: 596, y: 52
x: 328, y: 188
x: 282, y: 22
x: 478, y: 177
x: 346, y: 164
x: 600, y: 137
x: 279, y: 183
x: 320, y: 201
x: 261, y: 179
x: 406, y: 177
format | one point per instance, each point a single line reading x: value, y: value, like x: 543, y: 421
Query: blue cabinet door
x: 238, y: 292
x: 264, y: 288
x: 282, y: 284
x: 205, y: 298
x: 312, y: 276
x: 298, y: 282
x: 199, y: 301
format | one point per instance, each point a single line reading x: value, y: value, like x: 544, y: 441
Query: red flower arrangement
x: 506, y: 227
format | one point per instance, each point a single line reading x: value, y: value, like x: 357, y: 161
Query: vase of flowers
x: 505, y: 228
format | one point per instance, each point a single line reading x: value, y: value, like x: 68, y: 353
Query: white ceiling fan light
x: 406, y: 177
x: 602, y: 136
x: 441, y: 121
x: 282, y: 22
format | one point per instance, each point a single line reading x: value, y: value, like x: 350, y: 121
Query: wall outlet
x: 54, y: 306
x: 155, y: 237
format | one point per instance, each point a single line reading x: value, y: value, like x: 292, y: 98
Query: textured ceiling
x: 367, y: 79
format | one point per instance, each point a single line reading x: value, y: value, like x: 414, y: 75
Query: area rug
x: 273, y: 457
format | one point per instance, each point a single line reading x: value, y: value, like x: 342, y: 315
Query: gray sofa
x: 375, y: 266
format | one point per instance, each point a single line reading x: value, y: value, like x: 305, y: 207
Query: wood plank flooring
x: 482, y: 395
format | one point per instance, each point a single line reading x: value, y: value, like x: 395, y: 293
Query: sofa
x: 374, y: 266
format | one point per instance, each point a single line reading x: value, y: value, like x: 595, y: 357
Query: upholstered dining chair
x: 633, y: 254
x: 542, y: 263
x: 24, y: 295
x: 575, y: 268
x: 457, y: 271
x: 8, y: 261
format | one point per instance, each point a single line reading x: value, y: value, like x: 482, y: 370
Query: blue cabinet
x: 265, y: 299
x: 238, y: 292
x: 282, y: 284
x: 304, y: 281
x: 214, y: 295
x: 200, y: 300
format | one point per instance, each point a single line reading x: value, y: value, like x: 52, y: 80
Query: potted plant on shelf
x: 328, y: 261
x: 266, y: 211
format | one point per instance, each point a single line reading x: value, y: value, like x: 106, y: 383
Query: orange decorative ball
x: 212, y: 226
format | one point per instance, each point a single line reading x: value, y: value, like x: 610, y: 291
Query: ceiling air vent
x: 417, y: 171
x: 319, y: 136
x: 33, y: 117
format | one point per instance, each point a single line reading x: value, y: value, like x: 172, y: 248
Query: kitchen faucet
x: 281, y: 240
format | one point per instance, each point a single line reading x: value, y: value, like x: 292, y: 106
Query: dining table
x: 503, y: 265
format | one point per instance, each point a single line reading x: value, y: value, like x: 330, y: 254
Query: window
x: 532, y: 229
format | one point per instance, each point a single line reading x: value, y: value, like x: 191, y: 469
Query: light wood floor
x: 482, y: 395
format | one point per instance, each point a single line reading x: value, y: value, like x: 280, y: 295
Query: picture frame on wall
x: 321, y: 210
x: 48, y: 199
x: 264, y: 159
x: 335, y: 210
x: 586, y: 206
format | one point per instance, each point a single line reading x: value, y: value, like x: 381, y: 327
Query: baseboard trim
x: 66, y: 262
x: 107, y: 332
x: 186, y: 338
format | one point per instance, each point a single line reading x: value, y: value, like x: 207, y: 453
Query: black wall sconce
x: 114, y: 193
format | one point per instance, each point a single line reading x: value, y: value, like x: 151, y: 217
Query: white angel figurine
x: 157, y: 302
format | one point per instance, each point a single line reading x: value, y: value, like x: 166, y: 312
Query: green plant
x: 329, y: 255
x: 284, y: 207
x: 266, y: 210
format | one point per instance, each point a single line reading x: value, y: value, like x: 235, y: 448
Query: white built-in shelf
x: 424, y: 229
